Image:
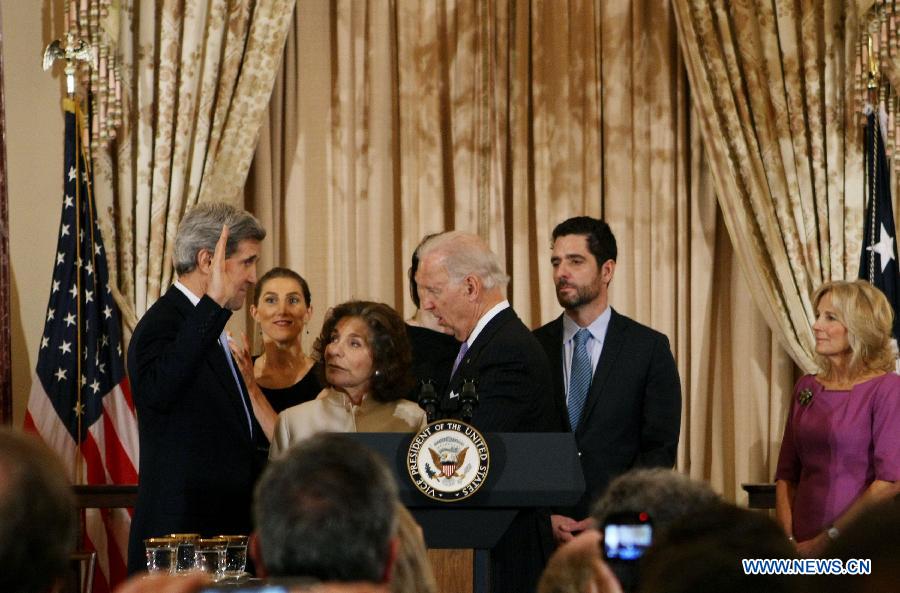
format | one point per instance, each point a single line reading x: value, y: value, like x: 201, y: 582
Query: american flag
x: 80, y: 402
x: 878, y: 260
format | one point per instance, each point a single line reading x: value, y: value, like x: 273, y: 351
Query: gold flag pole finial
x: 75, y: 50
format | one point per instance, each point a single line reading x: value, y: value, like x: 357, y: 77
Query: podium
x: 527, y: 471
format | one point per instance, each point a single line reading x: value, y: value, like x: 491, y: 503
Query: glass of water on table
x: 235, y: 556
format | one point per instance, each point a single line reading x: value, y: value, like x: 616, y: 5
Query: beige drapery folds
x: 773, y: 86
x: 196, y: 78
x: 394, y: 119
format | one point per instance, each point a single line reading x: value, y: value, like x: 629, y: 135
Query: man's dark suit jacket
x: 514, y: 386
x: 515, y: 395
x: 198, y: 462
x: 632, y: 417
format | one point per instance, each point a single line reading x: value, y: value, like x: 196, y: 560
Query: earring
x: 377, y: 372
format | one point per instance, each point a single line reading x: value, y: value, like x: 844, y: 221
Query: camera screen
x: 626, y: 542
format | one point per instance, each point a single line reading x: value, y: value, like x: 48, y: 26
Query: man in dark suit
x: 201, y: 446
x: 460, y: 282
x: 616, y: 385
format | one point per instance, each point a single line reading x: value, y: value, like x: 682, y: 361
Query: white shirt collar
x: 491, y: 313
x: 187, y: 292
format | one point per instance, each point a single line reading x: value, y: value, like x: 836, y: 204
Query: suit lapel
x: 484, y: 337
x: 612, y: 345
x: 555, y: 355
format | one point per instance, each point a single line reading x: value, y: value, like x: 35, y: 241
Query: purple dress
x: 836, y: 445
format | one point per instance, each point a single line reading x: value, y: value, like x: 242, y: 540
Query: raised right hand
x: 220, y: 288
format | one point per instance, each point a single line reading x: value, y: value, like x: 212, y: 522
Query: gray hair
x: 201, y: 227
x: 463, y: 254
x: 326, y: 510
x: 37, y: 515
x: 662, y: 493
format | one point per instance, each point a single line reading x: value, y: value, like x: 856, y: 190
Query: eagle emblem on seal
x: 448, y: 461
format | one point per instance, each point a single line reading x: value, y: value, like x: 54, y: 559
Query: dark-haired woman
x: 365, y: 367
x: 282, y: 375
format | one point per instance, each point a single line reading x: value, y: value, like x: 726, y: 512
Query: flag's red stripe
x: 29, y: 425
x: 92, y: 461
x: 126, y: 390
x: 118, y: 567
x: 118, y: 464
x: 101, y: 585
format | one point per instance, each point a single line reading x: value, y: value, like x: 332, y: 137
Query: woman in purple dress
x: 841, y: 448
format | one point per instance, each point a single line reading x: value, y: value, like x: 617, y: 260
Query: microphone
x: 468, y: 399
x: 428, y: 399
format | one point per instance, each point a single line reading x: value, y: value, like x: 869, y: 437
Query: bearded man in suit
x: 616, y: 385
x: 201, y: 445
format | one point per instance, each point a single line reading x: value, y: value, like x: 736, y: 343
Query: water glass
x: 235, y: 555
x: 185, y: 551
x: 211, y: 555
x: 160, y: 554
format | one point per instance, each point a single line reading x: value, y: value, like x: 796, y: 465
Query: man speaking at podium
x: 201, y: 446
x: 616, y: 383
x: 462, y: 284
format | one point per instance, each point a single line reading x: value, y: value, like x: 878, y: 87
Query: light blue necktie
x: 223, y: 341
x: 579, y: 378
x: 459, y: 357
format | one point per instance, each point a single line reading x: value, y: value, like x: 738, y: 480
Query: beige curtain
x: 773, y: 85
x: 504, y: 118
x: 197, y: 77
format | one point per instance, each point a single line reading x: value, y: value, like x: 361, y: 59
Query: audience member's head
x: 874, y: 536
x: 326, y: 510
x: 577, y: 567
x: 702, y: 552
x: 387, y: 363
x: 37, y: 516
x: 412, y: 571
x: 459, y: 279
x: 662, y: 493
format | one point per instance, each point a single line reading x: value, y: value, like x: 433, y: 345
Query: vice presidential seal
x: 448, y: 460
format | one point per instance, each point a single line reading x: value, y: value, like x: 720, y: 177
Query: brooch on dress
x: 805, y: 397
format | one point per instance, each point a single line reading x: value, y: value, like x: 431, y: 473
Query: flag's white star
x: 108, y: 290
x: 81, y: 235
x: 70, y: 320
x: 90, y: 268
x: 65, y: 230
x: 97, y: 249
x: 45, y: 341
x: 73, y: 291
x: 60, y: 374
x: 102, y: 367
x: 55, y: 286
x: 95, y: 386
x: 72, y: 174
x: 83, y: 380
x: 107, y: 312
x: 104, y: 340
x: 68, y: 202
x: 50, y: 314
x: 78, y: 409
x: 60, y: 258
x: 119, y: 349
x: 884, y: 248
x: 66, y: 347
x: 88, y: 296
